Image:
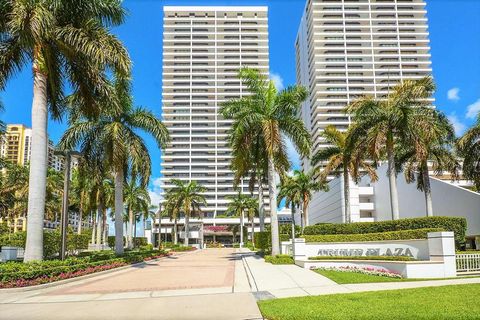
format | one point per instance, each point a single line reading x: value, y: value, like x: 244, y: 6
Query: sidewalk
x: 282, y: 281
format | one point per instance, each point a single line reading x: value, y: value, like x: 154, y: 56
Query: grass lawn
x: 434, y: 303
x: 343, y: 277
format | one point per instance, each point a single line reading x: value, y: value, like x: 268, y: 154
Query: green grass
x: 434, y: 303
x: 343, y: 277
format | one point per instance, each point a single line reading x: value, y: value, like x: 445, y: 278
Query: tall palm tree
x: 273, y: 117
x: 114, y: 134
x: 238, y: 205
x: 434, y: 145
x: 190, y: 199
x: 382, y: 124
x: 298, y: 190
x: 137, y: 200
x: 469, y: 148
x: 68, y: 44
x: 171, y: 209
x: 343, y: 159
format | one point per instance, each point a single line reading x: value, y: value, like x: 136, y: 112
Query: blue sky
x: 454, y: 34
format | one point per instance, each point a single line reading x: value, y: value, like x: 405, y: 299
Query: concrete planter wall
x: 435, y: 255
x: 9, y: 253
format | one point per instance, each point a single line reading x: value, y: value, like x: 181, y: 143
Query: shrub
x: 384, y: 258
x: 263, y: 240
x: 279, y: 259
x: 456, y: 224
x: 213, y: 244
x: 51, y: 241
x: 147, y: 247
x: 391, y: 235
x: 138, y: 241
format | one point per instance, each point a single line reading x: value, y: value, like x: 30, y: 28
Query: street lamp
x: 67, y: 155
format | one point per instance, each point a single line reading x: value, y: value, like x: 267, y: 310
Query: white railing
x: 468, y: 262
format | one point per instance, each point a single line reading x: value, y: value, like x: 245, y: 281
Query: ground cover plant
x: 18, y: 274
x: 430, y: 303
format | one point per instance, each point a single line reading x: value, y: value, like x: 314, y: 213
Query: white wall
x: 327, y: 206
x: 448, y: 200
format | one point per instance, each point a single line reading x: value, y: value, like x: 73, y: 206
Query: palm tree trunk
x: 346, y: 218
x: 241, y: 230
x: 119, y: 211
x: 38, y: 169
x: 99, y: 222
x: 175, y: 230
x: 272, y: 193
x: 80, y: 216
x: 104, y: 227
x: 392, y: 178
x: 427, y: 189
x: 94, y: 228
x: 252, y: 232
x: 187, y: 220
x: 134, y: 232
x: 261, y: 212
x: 130, y: 228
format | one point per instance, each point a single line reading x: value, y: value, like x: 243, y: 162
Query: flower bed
x: 16, y: 274
x: 365, y: 270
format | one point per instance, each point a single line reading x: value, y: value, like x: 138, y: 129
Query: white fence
x: 468, y: 262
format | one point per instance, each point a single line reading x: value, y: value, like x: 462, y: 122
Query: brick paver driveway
x: 200, y: 269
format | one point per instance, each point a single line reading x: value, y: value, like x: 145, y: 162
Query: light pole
x: 67, y: 155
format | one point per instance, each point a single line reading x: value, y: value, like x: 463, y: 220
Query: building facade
x: 347, y: 49
x: 16, y: 147
x: 203, y: 50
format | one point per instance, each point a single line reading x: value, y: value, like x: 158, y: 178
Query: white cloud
x: 473, y: 109
x: 458, y: 125
x: 278, y: 80
x: 154, y: 192
x: 452, y: 94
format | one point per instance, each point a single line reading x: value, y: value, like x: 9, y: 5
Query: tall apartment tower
x: 203, y: 49
x: 346, y: 49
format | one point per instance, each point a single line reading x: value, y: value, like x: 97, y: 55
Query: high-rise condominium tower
x: 349, y: 48
x: 203, y: 50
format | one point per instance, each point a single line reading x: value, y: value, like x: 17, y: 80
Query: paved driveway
x: 212, y: 268
x: 206, y: 284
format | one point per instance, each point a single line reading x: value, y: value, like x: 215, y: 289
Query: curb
x: 84, y: 277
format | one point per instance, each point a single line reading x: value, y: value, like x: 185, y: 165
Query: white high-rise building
x: 203, y: 50
x: 346, y: 49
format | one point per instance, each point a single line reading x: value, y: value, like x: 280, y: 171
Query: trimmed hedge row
x: 51, y: 241
x: 384, y: 258
x: 138, y: 241
x: 456, y: 224
x: 391, y: 235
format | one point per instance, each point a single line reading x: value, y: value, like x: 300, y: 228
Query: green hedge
x: 279, y: 259
x: 384, y: 258
x: 456, y: 224
x: 391, y: 235
x: 51, y: 241
x: 263, y: 240
x: 138, y: 241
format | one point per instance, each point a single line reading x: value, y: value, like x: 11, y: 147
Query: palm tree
x: 114, y: 134
x: 137, y: 200
x: 190, y: 199
x: 469, y: 148
x: 383, y: 124
x: 68, y: 44
x: 298, y: 190
x: 433, y: 145
x: 272, y: 117
x: 343, y: 159
x: 238, y: 205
